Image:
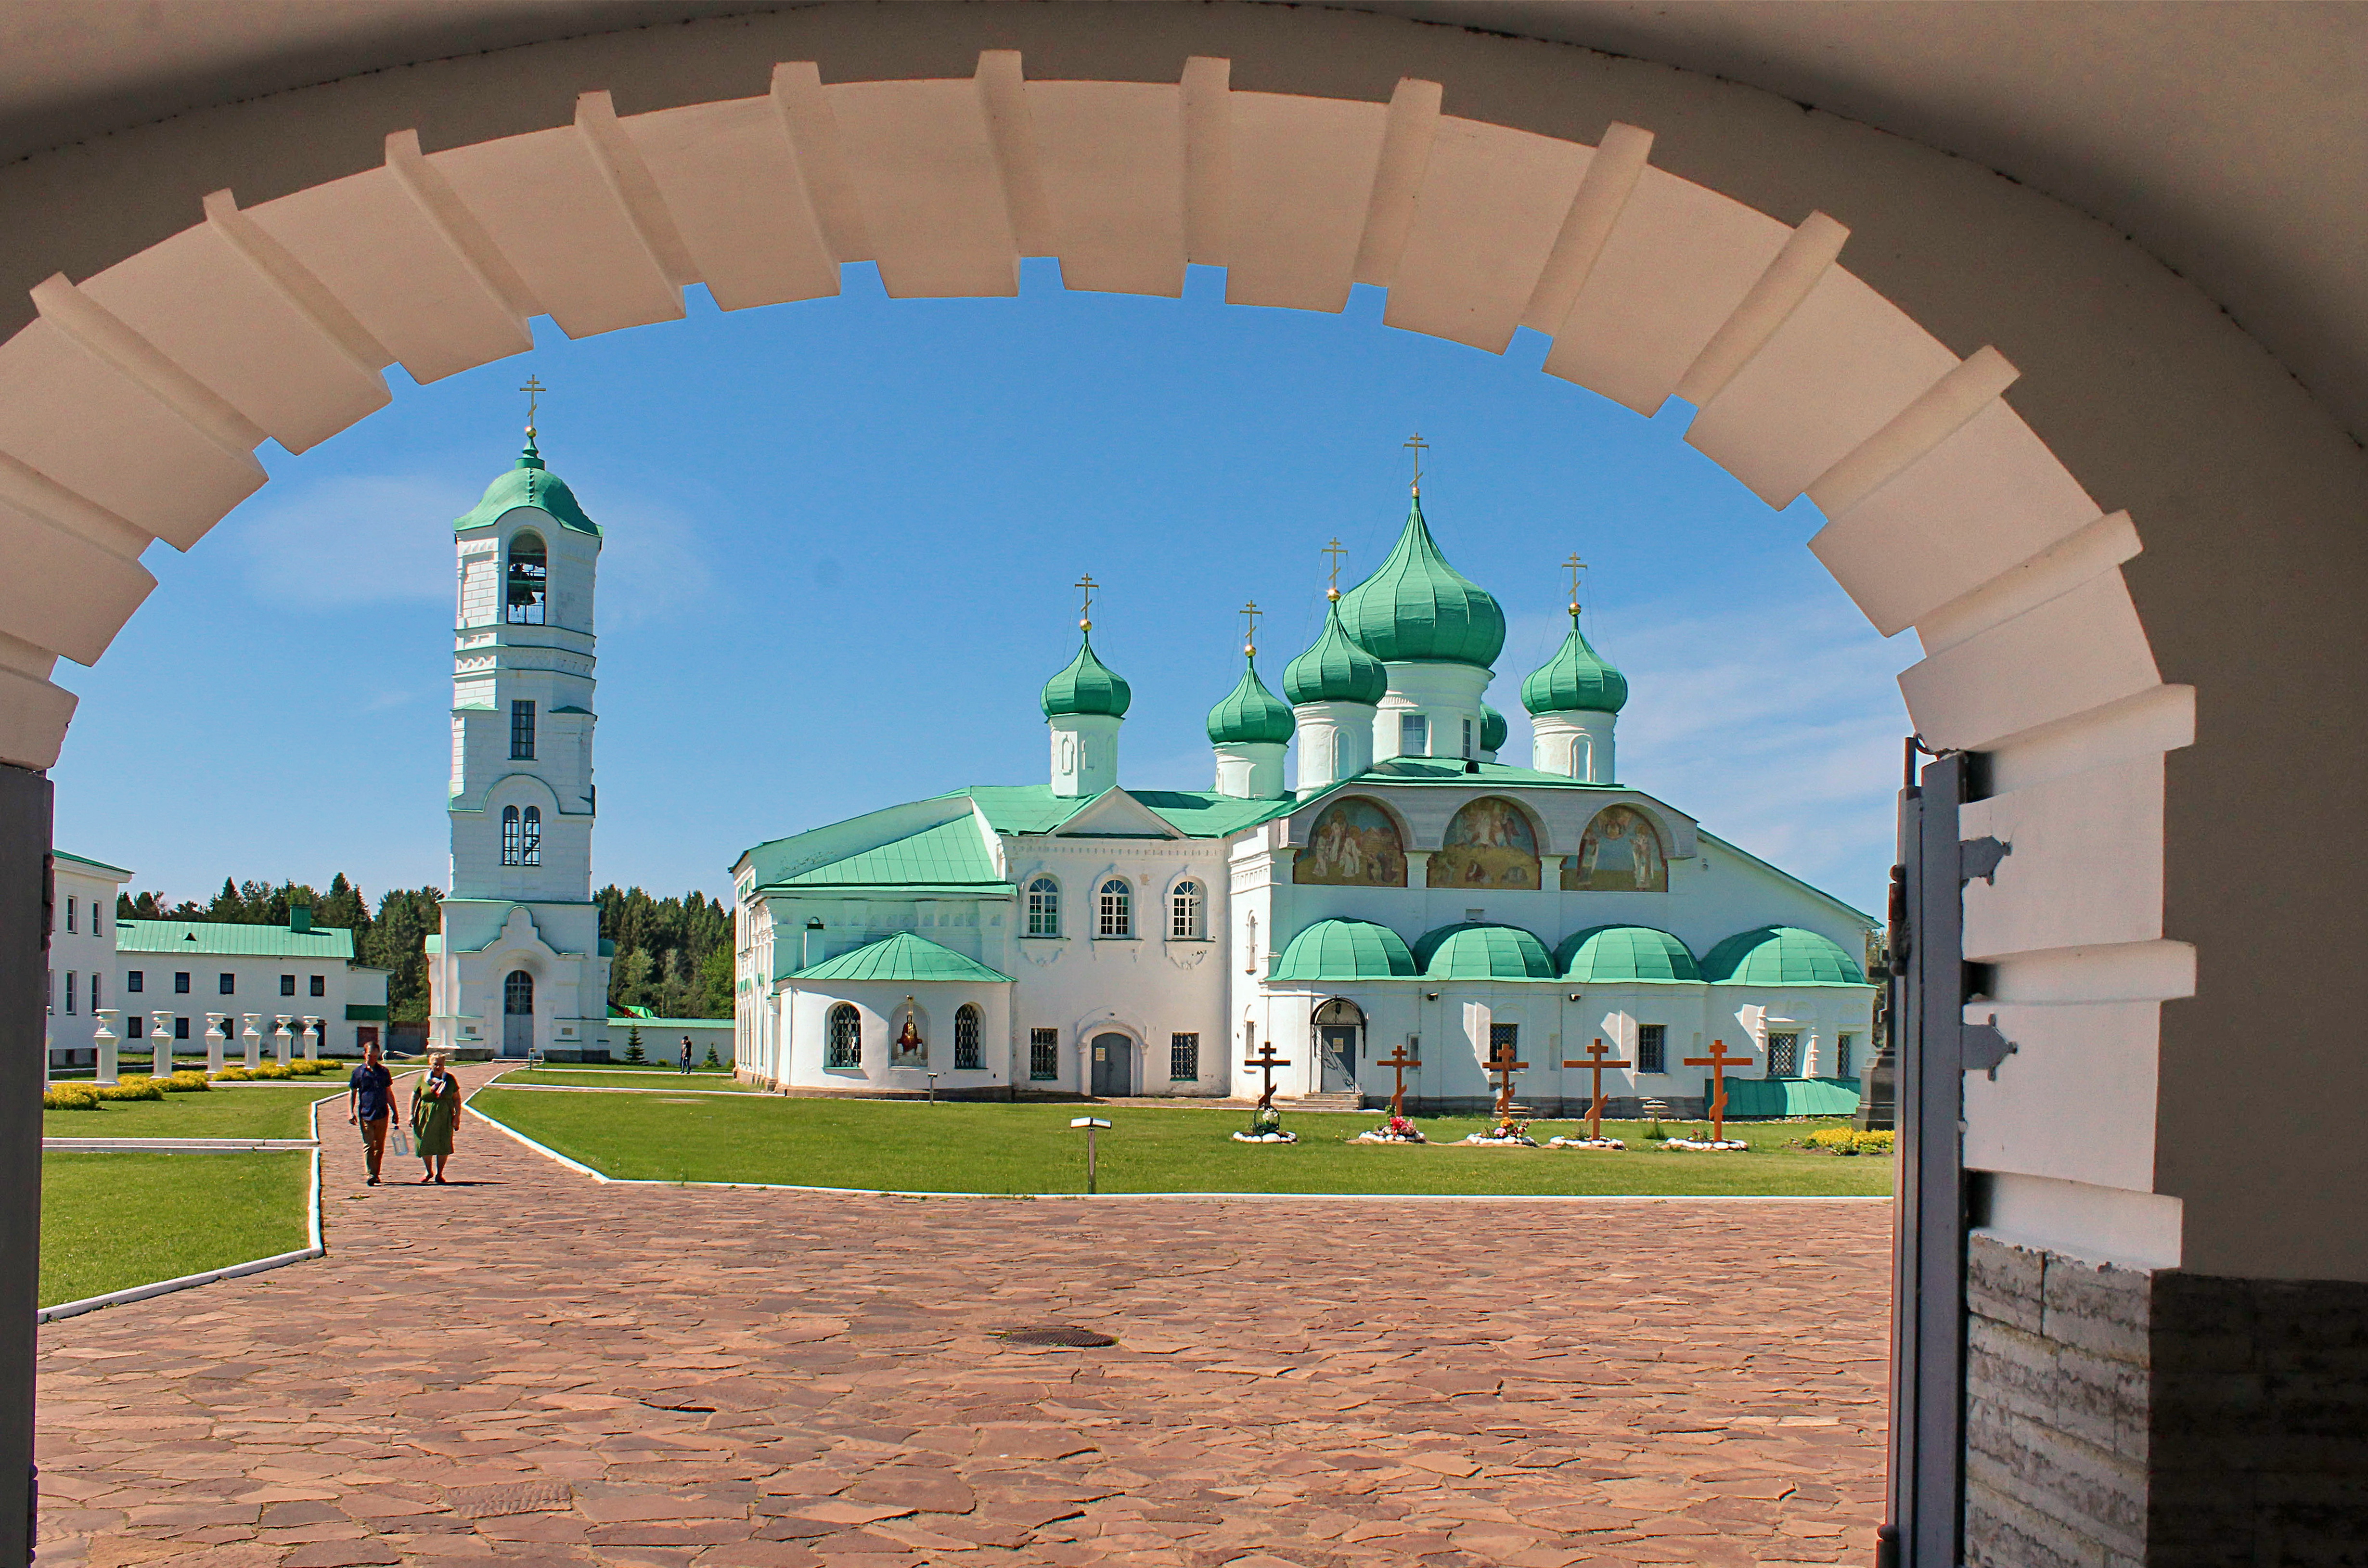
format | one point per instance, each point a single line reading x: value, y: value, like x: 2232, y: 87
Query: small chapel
x: 1400, y: 909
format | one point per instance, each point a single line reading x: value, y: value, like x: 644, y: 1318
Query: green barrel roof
x: 1416, y: 606
x: 1575, y: 680
x: 1475, y: 950
x: 1345, y: 950
x: 1781, y: 955
x: 1250, y: 713
x: 1334, y: 670
x: 902, y: 957
x: 1610, y: 953
x: 1087, y: 685
x: 1493, y: 729
x: 528, y: 484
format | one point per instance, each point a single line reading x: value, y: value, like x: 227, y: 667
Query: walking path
x: 535, y: 1369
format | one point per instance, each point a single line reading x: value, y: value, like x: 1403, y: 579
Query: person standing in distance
x: 686, y: 1053
x: 369, y: 1105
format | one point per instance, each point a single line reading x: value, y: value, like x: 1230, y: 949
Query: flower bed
x: 1585, y: 1143
x: 1397, y: 1129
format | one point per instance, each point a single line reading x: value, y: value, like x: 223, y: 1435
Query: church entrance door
x: 517, y: 1014
x: 1338, y: 1023
x: 1112, y: 1064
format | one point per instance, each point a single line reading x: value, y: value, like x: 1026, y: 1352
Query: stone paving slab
x: 529, y: 1367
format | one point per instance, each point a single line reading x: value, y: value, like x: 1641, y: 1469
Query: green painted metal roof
x: 1575, y: 680
x: 902, y: 957
x: 1475, y: 950
x: 207, y: 938
x: 1791, y: 1096
x: 1781, y: 955
x: 1607, y: 954
x: 86, y: 860
x: 1493, y: 729
x: 528, y: 483
x: 1416, y: 606
x: 643, y: 1018
x: 1033, y: 808
x: 1451, y: 770
x: 1345, y: 950
x: 1087, y: 685
x: 1334, y: 669
x: 950, y: 853
x: 1251, y: 714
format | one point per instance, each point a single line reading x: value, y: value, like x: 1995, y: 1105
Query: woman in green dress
x: 434, y: 1113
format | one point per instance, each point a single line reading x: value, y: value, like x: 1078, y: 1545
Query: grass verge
x: 111, y: 1221
x: 269, y: 1110
x: 973, y: 1147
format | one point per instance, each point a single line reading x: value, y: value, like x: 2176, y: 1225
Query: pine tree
x: 633, y: 1044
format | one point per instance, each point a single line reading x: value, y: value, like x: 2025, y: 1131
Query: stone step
x: 1331, y: 1099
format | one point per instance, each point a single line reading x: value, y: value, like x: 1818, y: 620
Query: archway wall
x: 1665, y: 229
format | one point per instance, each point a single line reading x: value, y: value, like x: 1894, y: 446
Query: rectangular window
x: 522, y: 731
x: 1467, y: 737
x: 1504, y: 1040
x: 287, y: 986
x: 73, y: 985
x: 1784, y: 1055
x: 1651, y: 1048
x: 94, y: 922
x: 135, y: 981
x: 320, y: 985
x: 138, y: 1022
x: 230, y: 984
x: 70, y: 911
x: 180, y: 983
x: 94, y: 994
x: 1845, y: 1047
x: 1043, y: 1055
x: 1184, y: 1059
x: 1414, y: 736
x: 180, y: 1028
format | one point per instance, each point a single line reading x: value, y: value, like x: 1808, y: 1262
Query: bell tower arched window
x: 512, y: 841
x: 528, y: 580
x: 530, y: 837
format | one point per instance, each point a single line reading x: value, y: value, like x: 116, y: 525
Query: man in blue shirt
x: 369, y: 1105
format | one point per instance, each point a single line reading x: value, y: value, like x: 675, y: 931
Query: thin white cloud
x: 363, y: 538
x: 652, y: 563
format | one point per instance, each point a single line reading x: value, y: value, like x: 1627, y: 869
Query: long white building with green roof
x: 1405, y: 889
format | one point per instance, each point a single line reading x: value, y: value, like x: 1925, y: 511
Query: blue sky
x: 840, y: 536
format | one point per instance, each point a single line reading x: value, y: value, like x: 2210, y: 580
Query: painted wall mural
x: 1354, y: 844
x: 1489, y: 845
x: 1622, y: 853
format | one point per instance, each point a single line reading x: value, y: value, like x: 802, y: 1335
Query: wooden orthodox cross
x: 1596, y: 1064
x: 1718, y: 1062
x: 1398, y: 1061
x: 1266, y: 1062
x: 1501, y: 1063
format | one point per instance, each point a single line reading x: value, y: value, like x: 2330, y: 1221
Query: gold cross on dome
x: 1333, y: 552
x: 534, y: 388
x: 1574, y: 566
x: 1249, y: 614
x: 1418, y: 446
x: 1086, y: 610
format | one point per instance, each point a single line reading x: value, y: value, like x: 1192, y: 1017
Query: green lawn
x: 256, y: 1110
x: 629, y: 1078
x: 111, y: 1221
x: 973, y: 1147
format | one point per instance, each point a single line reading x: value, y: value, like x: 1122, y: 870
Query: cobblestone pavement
x: 538, y: 1369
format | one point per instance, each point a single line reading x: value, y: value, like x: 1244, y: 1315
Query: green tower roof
x: 528, y: 483
x: 1477, y: 951
x: 1606, y: 954
x: 1575, y: 680
x: 1250, y: 713
x: 1087, y: 685
x: 1416, y: 606
x: 1334, y: 670
x: 1345, y: 950
x: 1493, y: 729
x: 1781, y: 955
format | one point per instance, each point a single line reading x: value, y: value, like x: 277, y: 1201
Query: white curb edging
x: 178, y: 1145
x: 314, y: 1247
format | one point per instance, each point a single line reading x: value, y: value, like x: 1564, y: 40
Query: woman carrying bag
x: 434, y: 1113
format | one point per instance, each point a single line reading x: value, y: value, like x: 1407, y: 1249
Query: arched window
x: 530, y: 837
x: 1489, y: 845
x: 1117, y: 909
x: 967, y: 1056
x: 518, y: 995
x: 510, y: 839
x: 1184, y: 913
x: 529, y: 579
x: 1043, y: 907
x: 1622, y: 853
x: 1353, y: 844
x: 844, y: 1045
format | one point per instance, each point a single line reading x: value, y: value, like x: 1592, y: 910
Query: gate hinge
x: 1980, y: 858
x: 1983, y: 1047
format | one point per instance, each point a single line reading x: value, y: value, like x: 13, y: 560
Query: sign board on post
x: 1092, y: 1124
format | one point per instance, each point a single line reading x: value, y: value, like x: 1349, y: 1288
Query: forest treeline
x: 674, y: 955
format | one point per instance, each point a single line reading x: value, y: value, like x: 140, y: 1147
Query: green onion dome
x: 528, y: 483
x: 1475, y: 950
x: 1416, y: 606
x: 1334, y: 670
x: 1251, y: 714
x: 1493, y: 729
x: 1781, y: 955
x: 1607, y: 954
x: 1088, y: 686
x: 1345, y: 950
x: 1575, y: 680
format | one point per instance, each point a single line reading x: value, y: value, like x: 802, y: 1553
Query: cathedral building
x: 1407, y: 895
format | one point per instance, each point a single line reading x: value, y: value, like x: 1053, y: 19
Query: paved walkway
x: 537, y: 1369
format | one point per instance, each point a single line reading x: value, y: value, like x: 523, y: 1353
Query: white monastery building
x: 1408, y: 891
x: 520, y: 965
x: 82, y: 977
